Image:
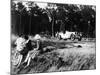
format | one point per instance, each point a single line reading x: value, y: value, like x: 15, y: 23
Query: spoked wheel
x: 72, y: 37
x: 59, y: 37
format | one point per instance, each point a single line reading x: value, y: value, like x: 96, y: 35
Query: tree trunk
x: 53, y: 27
x: 30, y: 25
x: 19, y: 26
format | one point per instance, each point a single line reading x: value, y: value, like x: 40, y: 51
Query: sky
x: 84, y: 2
x: 42, y: 5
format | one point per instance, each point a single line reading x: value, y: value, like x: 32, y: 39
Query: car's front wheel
x: 59, y: 37
x: 72, y: 37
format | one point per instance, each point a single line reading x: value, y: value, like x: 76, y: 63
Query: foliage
x: 27, y: 17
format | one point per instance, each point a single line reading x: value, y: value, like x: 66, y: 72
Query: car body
x: 69, y: 35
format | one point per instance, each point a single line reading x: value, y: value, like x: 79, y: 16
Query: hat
x: 37, y: 37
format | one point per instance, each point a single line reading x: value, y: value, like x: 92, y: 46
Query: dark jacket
x: 27, y: 48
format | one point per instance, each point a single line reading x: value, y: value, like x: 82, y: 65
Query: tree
x: 51, y: 12
x: 54, y: 17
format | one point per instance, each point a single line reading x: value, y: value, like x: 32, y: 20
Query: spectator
x: 21, y: 48
x: 32, y: 54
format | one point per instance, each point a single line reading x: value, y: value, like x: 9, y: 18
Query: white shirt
x: 20, y: 42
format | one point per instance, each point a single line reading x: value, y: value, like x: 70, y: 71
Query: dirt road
x: 79, y: 47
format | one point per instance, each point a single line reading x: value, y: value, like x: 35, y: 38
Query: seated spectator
x: 21, y: 48
x: 32, y: 54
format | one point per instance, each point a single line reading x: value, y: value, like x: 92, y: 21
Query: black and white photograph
x: 52, y: 37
